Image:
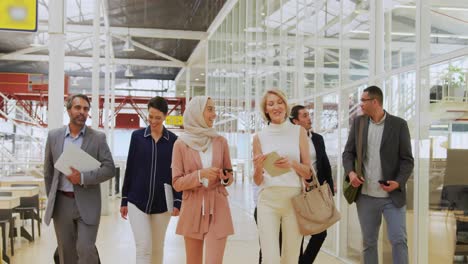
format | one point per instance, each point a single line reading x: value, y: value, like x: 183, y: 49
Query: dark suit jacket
x: 88, y: 195
x: 396, y: 157
x: 323, y: 164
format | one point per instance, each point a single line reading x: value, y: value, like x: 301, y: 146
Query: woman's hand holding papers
x: 283, y: 162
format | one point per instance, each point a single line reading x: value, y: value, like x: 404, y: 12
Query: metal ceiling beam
x: 220, y: 17
x: 136, y: 32
x: 44, y: 47
x: 146, y: 48
x: 76, y: 59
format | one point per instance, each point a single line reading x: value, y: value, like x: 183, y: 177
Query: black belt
x: 68, y: 194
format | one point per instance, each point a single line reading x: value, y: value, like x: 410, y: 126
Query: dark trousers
x: 315, y: 243
x: 280, y: 239
x: 57, y: 259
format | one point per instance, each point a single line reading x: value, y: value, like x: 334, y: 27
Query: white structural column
x: 56, y: 63
x: 299, y: 61
x: 112, y: 108
x: 95, y: 95
x: 343, y: 117
x: 95, y: 73
x: 388, y: 40
x: 388, y: 57
x: 345, y: 63
x: 319, y: 85
x: 187, y: 84
x: 376, y: 52
x: 422, y: 121
x: 107, y: 86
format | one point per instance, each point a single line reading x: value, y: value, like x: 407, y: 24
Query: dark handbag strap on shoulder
x: 362, y: 123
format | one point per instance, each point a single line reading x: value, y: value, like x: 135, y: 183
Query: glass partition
x: 323, y: 54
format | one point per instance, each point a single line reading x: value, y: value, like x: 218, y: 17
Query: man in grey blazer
x: 74, y: 201
x: 387, y: 163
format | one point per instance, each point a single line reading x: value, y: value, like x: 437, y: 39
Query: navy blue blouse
x: 148, y: 168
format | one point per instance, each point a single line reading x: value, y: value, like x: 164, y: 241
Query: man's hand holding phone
x: 389, y: 186
x: 383, y: 182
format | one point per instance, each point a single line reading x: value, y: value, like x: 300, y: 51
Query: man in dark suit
x: 74, y: 201
x: 300, y: 116
x: 387, y: 164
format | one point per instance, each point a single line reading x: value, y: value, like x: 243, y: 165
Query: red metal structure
x: 30, y: 91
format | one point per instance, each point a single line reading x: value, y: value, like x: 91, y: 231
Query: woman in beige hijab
x: 201, y: 168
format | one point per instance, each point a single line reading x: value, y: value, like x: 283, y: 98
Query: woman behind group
x: 143, y: 191
x: 198, y: 169
x: 274, y: 201
x: 321, y: 164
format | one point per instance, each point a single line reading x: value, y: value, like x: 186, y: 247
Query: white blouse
x: 206, y: 159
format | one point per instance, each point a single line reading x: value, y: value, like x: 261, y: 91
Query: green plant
x: 453, y: 76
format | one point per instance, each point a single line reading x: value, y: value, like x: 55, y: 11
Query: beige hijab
x: 197, y: 134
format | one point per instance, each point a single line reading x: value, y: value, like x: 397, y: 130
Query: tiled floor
x: 115, y: 240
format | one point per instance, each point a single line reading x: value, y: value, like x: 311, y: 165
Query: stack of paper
x: 74, y: 156
x: 269, y: 165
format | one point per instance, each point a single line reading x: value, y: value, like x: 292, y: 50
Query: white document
x: 169, y: 197
x: 74, y: 156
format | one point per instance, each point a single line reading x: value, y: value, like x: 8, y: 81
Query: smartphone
x: 225, y: 170
x: 384, y: 182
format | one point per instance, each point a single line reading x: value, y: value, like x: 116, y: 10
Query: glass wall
x: 323, y: 54
x: 443, y: 152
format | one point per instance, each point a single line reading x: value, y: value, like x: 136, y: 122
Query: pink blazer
x: 185, y: 164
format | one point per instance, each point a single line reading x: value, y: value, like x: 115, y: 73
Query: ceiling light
x: 202, y: 74
x: 445, y: 8
x: 448, y: 36
x: 359, y: 31
x: 254, y: 30
x: 128, y: 46
x: 439, y: 126
x: 74, y: 81
x: 409, y: 34
x: 128, y: 72
x: 404, y: 34
x: 196, y: 79
x: 404, y: 6
x: 453, y: 9
x: 36, y: 41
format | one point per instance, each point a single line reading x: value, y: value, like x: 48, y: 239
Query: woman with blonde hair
x: 274, y: 206
x: 201, y: 168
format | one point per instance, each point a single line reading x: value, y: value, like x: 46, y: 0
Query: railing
x: 11, y: 162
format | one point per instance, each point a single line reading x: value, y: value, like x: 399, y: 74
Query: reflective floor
x: 115, y: 239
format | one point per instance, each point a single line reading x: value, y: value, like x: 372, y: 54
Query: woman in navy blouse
x: 143, y: 192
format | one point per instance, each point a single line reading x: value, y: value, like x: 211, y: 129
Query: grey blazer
x: 396, y: 158
x: 87, y: 196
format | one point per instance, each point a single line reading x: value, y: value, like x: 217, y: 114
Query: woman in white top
x: 274, y: 201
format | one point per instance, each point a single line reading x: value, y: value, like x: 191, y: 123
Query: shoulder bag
x: 349, y: 191
x: 315, y: 208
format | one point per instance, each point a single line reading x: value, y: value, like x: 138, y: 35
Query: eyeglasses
x: 365, y: 100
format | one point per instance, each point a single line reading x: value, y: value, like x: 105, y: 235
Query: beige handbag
x: 315, y: 209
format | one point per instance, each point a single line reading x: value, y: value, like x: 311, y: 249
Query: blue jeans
x: 370, y: 210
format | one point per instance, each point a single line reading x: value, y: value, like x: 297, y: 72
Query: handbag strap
x: 306, y: 187
x: 359, y: 145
